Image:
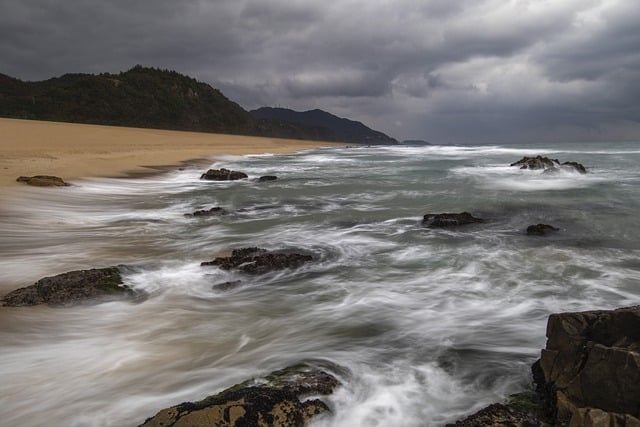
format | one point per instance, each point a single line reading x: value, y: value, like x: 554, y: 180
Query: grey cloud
x: 468, y: 70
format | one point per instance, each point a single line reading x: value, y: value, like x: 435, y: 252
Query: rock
x: 589, y: 372
x: 274, y: 401
x: 550, y: 165
x: 499, y: 415
x: 537, y: 162
x: 540, y: 229
x: 226, y: 286
x: 223, y: 175
x: 216, y: 211
x: 257, y: 261
x: 575, y: 165
x: 43, y: 181
x: 449, y: 219
x: 267, y: 178
x: 72, y: 288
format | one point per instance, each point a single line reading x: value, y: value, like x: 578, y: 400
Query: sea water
x: 422, y: 326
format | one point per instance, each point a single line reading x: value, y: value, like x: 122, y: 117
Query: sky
x: 447, y: 71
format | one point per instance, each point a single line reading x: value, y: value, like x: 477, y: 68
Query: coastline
x: 74, y: 151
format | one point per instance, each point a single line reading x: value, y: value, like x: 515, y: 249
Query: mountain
x: 140, y: 97
x: 162, y: 99
x: 325, y: 125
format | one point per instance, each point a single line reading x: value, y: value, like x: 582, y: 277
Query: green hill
x: 161, y: 99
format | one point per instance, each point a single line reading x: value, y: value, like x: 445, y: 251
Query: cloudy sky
x: 459, y: 71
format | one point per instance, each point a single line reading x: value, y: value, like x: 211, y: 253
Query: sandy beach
x: 73, y: 151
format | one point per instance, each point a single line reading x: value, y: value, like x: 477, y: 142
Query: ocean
x: 422, y: 326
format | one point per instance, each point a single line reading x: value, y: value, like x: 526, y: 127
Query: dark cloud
x: 466, y: 70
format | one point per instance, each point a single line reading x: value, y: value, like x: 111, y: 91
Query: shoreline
x: 75, y: 151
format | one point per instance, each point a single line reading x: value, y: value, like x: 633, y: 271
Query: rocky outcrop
x: 72, y: 288
x: 257, y: 261
x: 267, y: 178
x: 549, y: 165
x: 216, y: 211
x: 500, y: 415
x: 223, y: 175
x: 449, y: 219
x: 589, y: 371
x: 273, y: 401
x: 43, y: 181
x: 537, y: 162
x: 540, y: 229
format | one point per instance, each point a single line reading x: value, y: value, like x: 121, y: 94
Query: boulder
x: 267, y: 178
x: 216, y: 211
x: 500, y: 415
x: 540, y: 229
x: 43, y: 181
x: 537, y: 162
x: 72, y: 288
x: 589, y: 372
x: 257, y: 261
x: 576, y: 166
x: 273, y: 401
x: 449, y: 219
x: 223, y: 175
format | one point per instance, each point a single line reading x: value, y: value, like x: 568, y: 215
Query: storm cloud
x: 446, y: 71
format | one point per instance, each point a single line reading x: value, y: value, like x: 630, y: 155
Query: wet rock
x: 72, y: 288
x: 540, y: 229
x: 223, y: 175
x: 258, y: 261
x: 43, y: 181
x: 267, y: 178
x: 449, y: 219
x: 227, y: 286
x: 216, y: 211
x: 576, y: 166
x: 499, y: 415
x: 273, y: 401
x: 589, y: 372
x: 537, y: 162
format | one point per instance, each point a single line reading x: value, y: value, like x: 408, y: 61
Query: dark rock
x: 590, y: 368
x: 223, y: 175
x: 216, y: 211
x: 540, y: 229
x: 499, y: 415
x: 227, y: 286
x: 537, y: 162
x: 43, y: 181
x: 575, y: 165
x: 75, y: 287
x: 258, y: 261
x: 267, y: 178
x: 449, y: 219
x: 274, y: 401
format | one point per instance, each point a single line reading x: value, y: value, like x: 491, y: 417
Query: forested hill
x: 161, y: 99
x: 339, y: 129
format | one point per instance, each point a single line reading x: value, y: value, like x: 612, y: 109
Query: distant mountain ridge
x: 162, y: 99
x: 340, y: 129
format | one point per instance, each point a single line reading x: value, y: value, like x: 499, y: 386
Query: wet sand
x: 73, y: 151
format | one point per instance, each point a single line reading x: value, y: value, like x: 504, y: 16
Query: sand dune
x: 73, y: 151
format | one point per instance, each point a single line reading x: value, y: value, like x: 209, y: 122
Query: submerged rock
x: 589, y: 372
x: 500, y: 415
x: 227, y: 286
x: 72, y: 288
x: 540, y: 229
x: 267, y: 178
x: 257, y: 261
x: 43, y: 181
x: 549, y: 165
x: 216, y: 211
x: 449, y: 219
x: 273, y: 401
x: 223, y: 175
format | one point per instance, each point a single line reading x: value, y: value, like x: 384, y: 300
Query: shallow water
x: 426, y: 325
